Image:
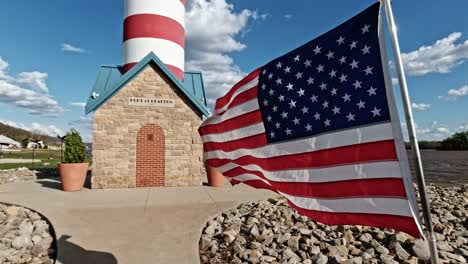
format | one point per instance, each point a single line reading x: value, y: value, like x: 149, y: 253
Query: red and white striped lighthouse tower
x: 155, y: 26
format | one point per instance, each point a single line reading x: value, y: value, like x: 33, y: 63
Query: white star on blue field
x: 50, y: 52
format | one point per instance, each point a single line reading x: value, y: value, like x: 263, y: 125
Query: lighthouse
x: 148, y: 109
x: 154, y: 26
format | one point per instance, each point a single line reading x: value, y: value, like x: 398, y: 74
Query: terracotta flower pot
x: 215, y: 178
x: 73, y: 175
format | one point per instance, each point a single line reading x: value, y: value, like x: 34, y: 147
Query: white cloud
x: 49, y: 130
x: 288, y: 16
x: 35, y: 80
x: 71, y: 48
x: 36, y: 99
x: 420, y: 107
x: 440, y: 57
x: 86, y: 122
x: 454, y: 94
x: 78, y: 104
x: 207, y: 50
x: 435, y: 131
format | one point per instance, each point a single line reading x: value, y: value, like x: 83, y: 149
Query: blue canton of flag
x: 333, y: 82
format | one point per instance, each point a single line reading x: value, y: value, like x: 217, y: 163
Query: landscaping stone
x: 273, y: 232
x: 17, y: 175
x: 24, y: 237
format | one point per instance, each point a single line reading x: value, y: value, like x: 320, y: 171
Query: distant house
x: 39, y: 144
x: 8, y: 143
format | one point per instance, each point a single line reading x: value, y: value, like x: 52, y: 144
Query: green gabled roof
x: 111, y: 79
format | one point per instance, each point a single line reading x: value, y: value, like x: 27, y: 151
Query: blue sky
x: 51, y: 50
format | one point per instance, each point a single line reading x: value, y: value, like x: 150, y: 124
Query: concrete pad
x: 147, y: 225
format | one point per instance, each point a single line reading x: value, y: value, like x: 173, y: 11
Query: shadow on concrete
x: 54, y: 182
x: 71, y: 253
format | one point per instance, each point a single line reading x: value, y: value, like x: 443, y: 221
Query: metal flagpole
x: 412, y: 132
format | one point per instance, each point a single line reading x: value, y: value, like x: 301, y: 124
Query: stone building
x: 145, y: 126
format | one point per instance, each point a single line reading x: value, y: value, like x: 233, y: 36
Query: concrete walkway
x: 147, y: 225
x: 8, y: 161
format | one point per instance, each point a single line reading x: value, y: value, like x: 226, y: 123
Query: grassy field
x: 49, y: 159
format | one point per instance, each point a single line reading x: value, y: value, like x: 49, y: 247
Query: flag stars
x: 288, y: 131
x: 314, y: 98
x: 297, y: 58
x: 353, y: 45
x: 296, y: 121
x: 289, y: 86
x: 270, y: 76
x: 327, y: 123
x: 350, y: 117
x: 301, y: 92
x: 343, y: 78
x: 368, y: 70
x: 317, y: 50
x: 305, y: 110
x: 332, y: 74
x: 284, y: 115
x: 317, y: 116
x: 365, y: 50
x: 340, y: 40
x: 325, y: 104
x: 333, y: 91
x: 279, y: 81
x: 357, y: 84
x: 354, y: 64
x: 310, y: 81
x: 271, y: 92
x: 307, y: 63
x: 342, y: 60
x: 346, y: 97
x: 320, y: 68
x: 281, y: 98
x: 323, y: 86
x: 292, y: 104
x: 376, y: 112
x: 272, y: 134
x: 278, y: 65
x: 269, y: 118
x: 372, y: 90
x: 336, y: 110
x: 275, y: 108
x: 265, y: 103
x: 330, y: 54
x: 365, y: 29
x: 308, y: 127
x: 299, y: 75
x: 264, y: 71
x: 263, y: 87
x: 287, y: 69
x: 277, y: 125
x: 361, y: 104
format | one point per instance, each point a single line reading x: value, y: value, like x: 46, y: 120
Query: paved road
x: 5, y: 161
x: 146, y: 225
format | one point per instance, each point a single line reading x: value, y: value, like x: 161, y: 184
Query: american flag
x: 319, y: 126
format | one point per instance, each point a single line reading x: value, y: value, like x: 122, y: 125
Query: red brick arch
x: 150, y: 156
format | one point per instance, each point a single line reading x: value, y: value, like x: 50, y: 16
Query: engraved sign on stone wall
x: 155, y: 102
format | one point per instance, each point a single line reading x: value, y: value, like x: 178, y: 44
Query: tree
x: 458, y: 141
x: 75, y: 150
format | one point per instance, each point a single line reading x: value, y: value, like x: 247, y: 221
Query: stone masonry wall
x: 116, y: 125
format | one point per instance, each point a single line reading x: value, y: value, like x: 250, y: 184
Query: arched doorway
x: 150, y: 155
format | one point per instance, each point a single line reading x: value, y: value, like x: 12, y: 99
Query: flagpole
x: 412, y: 132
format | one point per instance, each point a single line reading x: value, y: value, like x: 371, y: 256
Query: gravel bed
x: 25, y: 237
x: 17, y: 175
x: 272, y: 232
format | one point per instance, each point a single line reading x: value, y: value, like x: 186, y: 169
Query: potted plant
x: 215, y: 178
x: 73, y: 169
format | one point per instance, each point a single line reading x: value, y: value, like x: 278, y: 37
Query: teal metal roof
x: 110, y: 80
